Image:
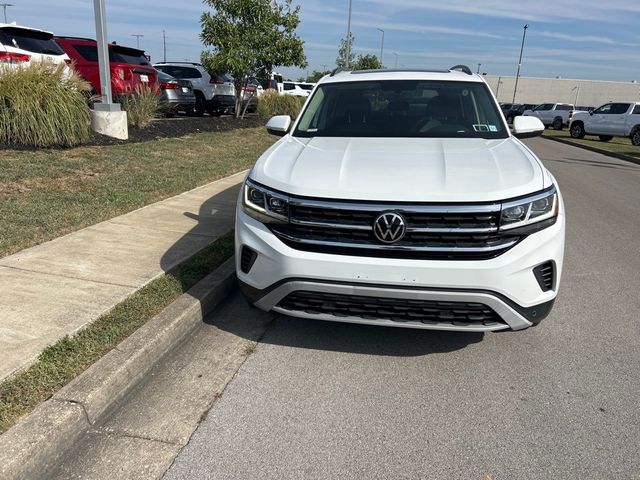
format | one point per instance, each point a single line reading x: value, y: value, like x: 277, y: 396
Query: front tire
x: 557, y: 123
x: 199, y: 108
x: 577, y: 131
x: 635, y: 137
x: 605, y: 138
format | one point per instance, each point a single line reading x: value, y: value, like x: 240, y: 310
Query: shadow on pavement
x: 214, y: 217
x: 237, y: 317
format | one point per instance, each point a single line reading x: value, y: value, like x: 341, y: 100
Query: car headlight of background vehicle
x: 264, y: 204
x: 540, y: 210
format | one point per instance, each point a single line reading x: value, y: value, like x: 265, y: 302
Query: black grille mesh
x: 399, y: 310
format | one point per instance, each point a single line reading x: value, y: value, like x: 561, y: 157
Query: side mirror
x: 591, y: 112
x: 527, y: 127
x: 279, y: 125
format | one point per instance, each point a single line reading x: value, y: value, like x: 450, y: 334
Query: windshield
x: 402, y: 108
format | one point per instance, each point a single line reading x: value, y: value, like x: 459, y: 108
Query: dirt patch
x: 178, y: 127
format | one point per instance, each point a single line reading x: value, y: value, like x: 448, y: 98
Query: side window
x: 604, y: 109
x: 564, y: 108
x: 620, y: 108
x: 636, y: 110
x: 289, y: 86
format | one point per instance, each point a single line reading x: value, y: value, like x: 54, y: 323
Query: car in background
x: 517, y: 110
x: 215, y: 94
x: 293, y: 89
x: 306, y: 85
x: 615, y: 119
x: 130, y: 68
x: 554, y: 115
x: 274, y: 82
x: 177, y: 94
x: 24, y: 45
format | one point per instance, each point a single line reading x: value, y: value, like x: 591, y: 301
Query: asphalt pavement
x: 328, y: 400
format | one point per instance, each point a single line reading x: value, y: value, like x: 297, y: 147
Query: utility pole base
x: 110, y: 123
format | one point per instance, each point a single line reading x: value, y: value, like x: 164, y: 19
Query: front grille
x: 544, y: 276
x: 428, y: 312
x: 432, y: 231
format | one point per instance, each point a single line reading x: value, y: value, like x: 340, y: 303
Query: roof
x: 13, y: 25
x: 408, y: 74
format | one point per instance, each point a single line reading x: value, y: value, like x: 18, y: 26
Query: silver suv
x: 215, y: 94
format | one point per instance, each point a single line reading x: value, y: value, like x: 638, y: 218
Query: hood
x: 400, y: 169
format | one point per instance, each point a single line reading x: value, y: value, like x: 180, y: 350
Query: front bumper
x: 506, y: 284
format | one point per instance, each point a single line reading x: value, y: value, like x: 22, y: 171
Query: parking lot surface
x: 329, y: 400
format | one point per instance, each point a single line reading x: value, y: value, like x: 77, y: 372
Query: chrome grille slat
x: 464, y: 231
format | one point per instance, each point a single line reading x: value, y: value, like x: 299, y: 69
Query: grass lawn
x: 47, y: 193
x: 617, y: 144
x: 61, y: 362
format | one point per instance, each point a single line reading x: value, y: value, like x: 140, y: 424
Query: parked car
x: 250, y: 93
x: 306, y: 85
x: 130, y: 68
x: 274, y: 82
x: 616, y: 119
x: 402, y: 198
x: 554, y: 115
x: 215, y: 94
x: 23, y: 45
x: 517, y: 110
x: 292, y: 88
x: 177, y: 94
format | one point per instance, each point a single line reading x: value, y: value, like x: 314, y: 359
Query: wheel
x: 577, y: 130
x: 635, y: 136
x: 605, y: 138
x: 199, y: 108
x: 557, y: 123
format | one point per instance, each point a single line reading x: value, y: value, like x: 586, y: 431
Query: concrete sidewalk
x: 53, y: 289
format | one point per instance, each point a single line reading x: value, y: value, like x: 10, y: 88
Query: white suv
x: 556, y: 115
x: 401, y: 198
x: 23, y: 45
x: 214, y: 93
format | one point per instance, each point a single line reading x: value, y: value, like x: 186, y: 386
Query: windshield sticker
x: 481, y: 128
x: 493, y: 128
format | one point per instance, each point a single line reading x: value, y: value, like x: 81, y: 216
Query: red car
x: 130, y: 68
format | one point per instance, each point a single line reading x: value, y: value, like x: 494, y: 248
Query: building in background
x: 564, y: 90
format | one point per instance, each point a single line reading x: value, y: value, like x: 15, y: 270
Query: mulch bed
x: 178, y: 127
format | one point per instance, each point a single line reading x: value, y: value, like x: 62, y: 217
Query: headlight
x: 531, y: 210
x: 265, y: 205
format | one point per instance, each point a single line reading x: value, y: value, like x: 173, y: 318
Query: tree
x: 249, y: 38
x: 315, y: 76
x: 345, y: 46
x: 367, y: 62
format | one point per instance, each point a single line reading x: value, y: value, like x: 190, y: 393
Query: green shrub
x: 43, y: 105
x: 141, y: 105
x: 270, y: 104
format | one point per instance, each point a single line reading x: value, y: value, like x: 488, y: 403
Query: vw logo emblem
x: 389, y: 227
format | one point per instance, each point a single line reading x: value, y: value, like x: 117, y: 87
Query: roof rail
x: 462, y: 68
x: 338, y: 70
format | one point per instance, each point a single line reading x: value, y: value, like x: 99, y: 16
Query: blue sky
x: 591, y: 39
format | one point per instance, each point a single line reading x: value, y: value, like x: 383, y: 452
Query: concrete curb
x: 36, y: 444
x: 619, y: 156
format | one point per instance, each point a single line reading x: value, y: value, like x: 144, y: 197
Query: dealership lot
x: 321, y: 400
x: 327, y: 400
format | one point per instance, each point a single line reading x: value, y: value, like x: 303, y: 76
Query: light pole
x: 515, y: 88
x: 4, y: 7
x: 138, y: 37
x: 381, y: 44
x: 498, y: 87
x: 347, y: 60
x: 577, y: 87
x: 396, y: 64
x: 164, y: 46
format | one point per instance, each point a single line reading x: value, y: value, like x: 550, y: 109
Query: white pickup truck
x: 554, y: 115
x: 617, y: 119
